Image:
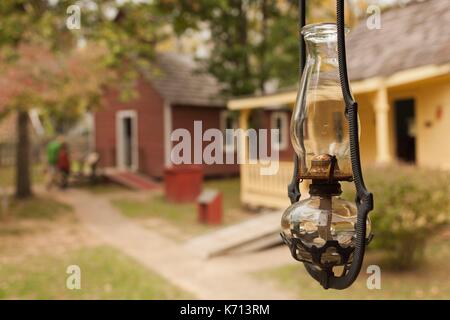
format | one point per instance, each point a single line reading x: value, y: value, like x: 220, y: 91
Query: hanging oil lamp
x: 328, y: 234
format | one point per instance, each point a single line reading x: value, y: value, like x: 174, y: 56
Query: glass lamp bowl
x: 317, y: 220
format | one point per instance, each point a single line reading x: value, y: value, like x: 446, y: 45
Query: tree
x: 41, y: 65
x: 242, y: 34
x: 66, y: 84
x: 254, y: 42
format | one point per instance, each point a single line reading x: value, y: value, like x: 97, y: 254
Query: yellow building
x: 400, y: 78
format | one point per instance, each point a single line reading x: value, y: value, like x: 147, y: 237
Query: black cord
x: 302, y: 20
x: 294, y: 188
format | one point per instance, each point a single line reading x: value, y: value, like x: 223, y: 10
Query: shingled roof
x: 412, y: 36
x: 179, y: 81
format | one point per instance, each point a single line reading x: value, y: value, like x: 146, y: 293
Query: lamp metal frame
x: 364, y: 199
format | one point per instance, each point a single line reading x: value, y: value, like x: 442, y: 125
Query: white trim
x: 36, y: 122
x: 223, y: 123
x: 120, y: 161
x: 282, y: 115
x: 167, y: 114
x: 399, y: 78
x: 254, y: 102
x: 92, y: 131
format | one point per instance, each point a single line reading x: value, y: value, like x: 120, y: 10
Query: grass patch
x: 428, y: 281
x: 184, y: 216
x: 230, y: 189
x: 180, y: 215
x: 35, y: 208
x: 157, y: 206
x: 105, y: 274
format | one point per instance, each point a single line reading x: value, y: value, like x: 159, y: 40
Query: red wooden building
x: 135, y: 135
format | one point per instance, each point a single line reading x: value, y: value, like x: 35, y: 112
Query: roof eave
x: 400, y: 78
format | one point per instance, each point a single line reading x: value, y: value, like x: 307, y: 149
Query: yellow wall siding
x: 432, y: 136
x: 433, y: 142
x: 366, y: 112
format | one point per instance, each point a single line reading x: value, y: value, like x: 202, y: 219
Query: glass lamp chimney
x: 324, y: 225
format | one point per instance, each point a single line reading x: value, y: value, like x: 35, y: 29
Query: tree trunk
x: 23, y: 181
x: 242, y: 32
x: 263, y: 49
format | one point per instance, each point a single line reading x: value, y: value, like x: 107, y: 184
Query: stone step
x: 265, y: 242
x: 253, y: 234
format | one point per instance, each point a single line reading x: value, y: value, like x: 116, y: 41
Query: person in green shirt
x: 53, y: 148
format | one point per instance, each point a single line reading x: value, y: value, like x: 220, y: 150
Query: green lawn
x: 36, y: 211
x: 185, y: 215
x: 105, y: 274
x: 35, y: 207
x: 231, y: 191
x: 429, y: 281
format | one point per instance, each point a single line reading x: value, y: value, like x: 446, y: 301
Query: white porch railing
x: 266, y: 191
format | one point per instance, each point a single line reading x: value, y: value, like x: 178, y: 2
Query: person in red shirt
x: 63, y: 165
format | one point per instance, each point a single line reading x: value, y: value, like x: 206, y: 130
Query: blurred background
x: 90, y: 92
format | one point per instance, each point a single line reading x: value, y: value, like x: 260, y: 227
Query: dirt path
x: 219, y: 278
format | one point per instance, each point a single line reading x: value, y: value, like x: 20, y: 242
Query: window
x: 279, y: 120
x: 228, y: 120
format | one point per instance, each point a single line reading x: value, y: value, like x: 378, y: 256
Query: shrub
x: 411, y: 206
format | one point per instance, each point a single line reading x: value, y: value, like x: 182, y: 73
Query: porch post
x: 243, y: 124
x: 381, y: 108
